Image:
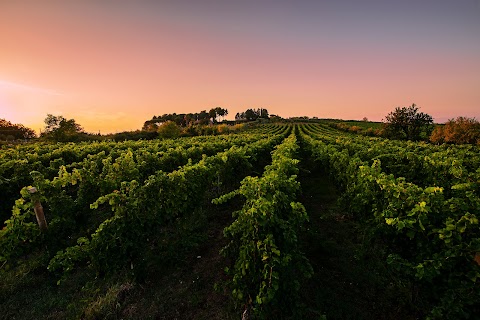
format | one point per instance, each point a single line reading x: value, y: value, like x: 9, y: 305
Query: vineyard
x: 288, y: 221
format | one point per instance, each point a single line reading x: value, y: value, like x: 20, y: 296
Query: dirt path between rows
x: 351, y: 280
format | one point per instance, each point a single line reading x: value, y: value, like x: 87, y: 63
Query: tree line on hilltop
x: 202, y: 123
x: 185, y: 119
x: 252, y: 115
x: 204, y: 118
x: 403, y: 123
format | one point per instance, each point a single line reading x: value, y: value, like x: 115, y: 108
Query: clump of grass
x: 108, y: 306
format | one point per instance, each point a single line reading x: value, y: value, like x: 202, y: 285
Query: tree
x: 203, y: 117
x: 222, y: 112
x: 10, y: 131
x: 169, y: 129
x: 150, y: 126
x: 460, y: 130
x: 262, y: 113
x: 212, y: 114
x: 408, y: 123
x: 252, y: 114
x: 218, y: 111
x: 240, y: 116
x: 58, y: 128
x: 184, y: 120
x: 215, y: 112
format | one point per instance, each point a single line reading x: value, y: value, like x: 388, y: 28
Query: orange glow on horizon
x: 113, y: 67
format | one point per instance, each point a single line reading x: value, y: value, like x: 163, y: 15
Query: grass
x: 28, y: 292
x: 364, y: 124
x: 359, y: 123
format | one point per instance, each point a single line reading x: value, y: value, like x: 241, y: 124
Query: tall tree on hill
x: 203, y: 117
x: 212, y: 114
x: 408, y: 123
x: 250, y: 115
x: 183, y: 120
x: 222, y: 112
x: 262, y: 113
x: 216, y: 112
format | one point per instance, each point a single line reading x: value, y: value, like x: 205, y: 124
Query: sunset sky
x: 111, y: 65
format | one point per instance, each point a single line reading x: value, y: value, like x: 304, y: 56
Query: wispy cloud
x: 28, y: 104
x: 9, y: 85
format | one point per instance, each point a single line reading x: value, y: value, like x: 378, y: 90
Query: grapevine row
x: 68, y: 196
x: 267, y: 262
x: 434, y: 236
x: 419, y: 163
x: 107, y: 163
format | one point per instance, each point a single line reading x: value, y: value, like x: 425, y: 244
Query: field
x: 289, y: 221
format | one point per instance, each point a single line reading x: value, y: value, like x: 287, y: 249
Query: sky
x: 111, y: 65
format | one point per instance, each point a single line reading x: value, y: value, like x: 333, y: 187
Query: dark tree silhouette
x: 58, y: 128
x: 184, y: 120
x: 10, y: 131
x: 408, y: 123
x: 252, y: 114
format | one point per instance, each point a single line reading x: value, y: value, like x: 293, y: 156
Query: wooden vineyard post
x: 37, y: 207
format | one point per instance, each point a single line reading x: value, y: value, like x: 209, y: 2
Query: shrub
x: 459, y: 131
x: 169, y: 129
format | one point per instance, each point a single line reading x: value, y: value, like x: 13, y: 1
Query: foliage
x: 431, y: 229
x: 252, y: 114
x: 120, y: 240
x: 215, y: 112
x: 263, y: 239
x: 458, y: 131
x: 169, y: 130
x: 10, y: 131
x: 186, y: 119
x: 177, y: 173
x: 370, y: 129
x: 408, y: 123
x: 58, y: 128
x: 108, y: 203
x: 134, y: 135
